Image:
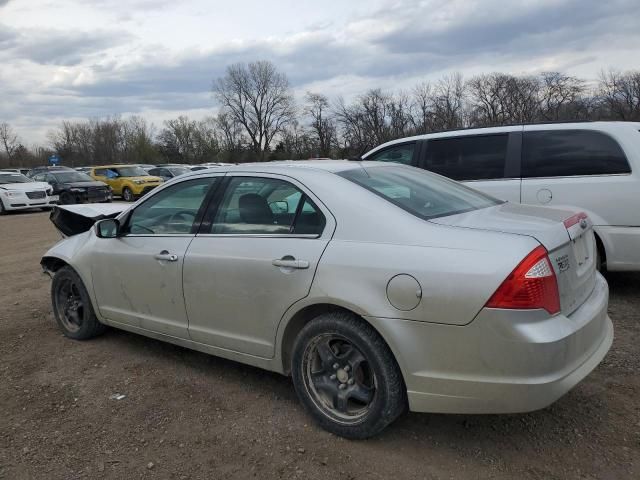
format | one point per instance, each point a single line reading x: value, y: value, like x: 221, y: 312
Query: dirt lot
x: 187, y: 415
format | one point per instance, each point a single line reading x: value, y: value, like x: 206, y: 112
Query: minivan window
x: 563, y: 153
x: 418, y: 192
x: 398, y: 154
x: 477, y: 157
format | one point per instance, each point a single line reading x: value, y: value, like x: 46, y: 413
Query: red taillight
x: 531, y: 285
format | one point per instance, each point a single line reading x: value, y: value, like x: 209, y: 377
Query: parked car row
x: 84, y: 184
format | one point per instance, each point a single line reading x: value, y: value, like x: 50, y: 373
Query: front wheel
x: 127, y: 194
x: 346, y: 376
x: 72, y: 306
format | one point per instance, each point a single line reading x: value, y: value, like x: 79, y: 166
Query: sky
x: 79, y: 59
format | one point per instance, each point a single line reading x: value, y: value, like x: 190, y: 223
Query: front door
x: 257, y: 259
x: 137, y: 277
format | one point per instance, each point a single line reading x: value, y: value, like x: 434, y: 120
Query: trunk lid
x: 567, y: 236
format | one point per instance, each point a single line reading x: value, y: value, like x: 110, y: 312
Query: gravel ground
x: 186, y: 415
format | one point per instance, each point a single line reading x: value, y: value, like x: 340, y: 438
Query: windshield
x: 13, y: 178
x: 179, y: 170
x: 420, y: 193
x: 130, y: 171
x: 69, y: 177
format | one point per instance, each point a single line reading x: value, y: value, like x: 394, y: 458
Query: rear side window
x: 397, y: 154
x: 478, y: 157
x: 563, y: 153
x: 418, y: 192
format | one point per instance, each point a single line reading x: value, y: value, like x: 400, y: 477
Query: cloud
x: 53, y: 74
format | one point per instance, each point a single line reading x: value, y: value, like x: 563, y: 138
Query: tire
x: 72, y: 306
x: 127, y: 195
x: 346, y: 376
x: 3, y: 211
x: 67, y: 199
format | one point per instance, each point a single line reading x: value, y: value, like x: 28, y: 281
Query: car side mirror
x: 281, y: 206
x: 108, y: 228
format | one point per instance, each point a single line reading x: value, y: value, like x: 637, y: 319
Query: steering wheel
x: 182, y: 217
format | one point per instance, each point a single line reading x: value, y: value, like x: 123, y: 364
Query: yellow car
x: 128, y: 181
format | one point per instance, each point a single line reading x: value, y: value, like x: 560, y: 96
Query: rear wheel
x: 346, y: 376
x: 72, y: 306
x: 127, y: 194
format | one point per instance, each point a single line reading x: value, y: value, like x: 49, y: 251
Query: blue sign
x: 54, y: 159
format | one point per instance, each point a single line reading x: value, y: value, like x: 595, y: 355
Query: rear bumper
x: 622, y: 247
x: 503, y: 361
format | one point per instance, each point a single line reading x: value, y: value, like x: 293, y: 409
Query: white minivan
x: 592, y: 165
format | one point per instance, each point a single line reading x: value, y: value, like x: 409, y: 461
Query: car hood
x: 83, y: 184
x: 25, y: 187
x: 74, y: 219
x: 542, y: 223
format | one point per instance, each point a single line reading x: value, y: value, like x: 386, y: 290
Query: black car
x: 75, y: 187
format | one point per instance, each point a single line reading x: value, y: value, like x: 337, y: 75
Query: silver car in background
x: 377, y: 287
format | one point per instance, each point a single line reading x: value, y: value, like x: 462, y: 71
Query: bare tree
x: 619, y: 94
x: 561, y: 96
x: 448, y: 102
x: 232, y: 140
x: 322, y: 123
x: 9, y: 139
x: 259, y: 98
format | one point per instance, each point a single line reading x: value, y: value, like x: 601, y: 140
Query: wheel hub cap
x: 343, y: 376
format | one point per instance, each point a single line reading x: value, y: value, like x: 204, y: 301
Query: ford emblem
x: 583, y: 223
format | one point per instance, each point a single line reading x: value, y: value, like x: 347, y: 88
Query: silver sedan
x: 379, y: 288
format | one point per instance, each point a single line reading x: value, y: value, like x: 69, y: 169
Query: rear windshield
x: 420, y: 193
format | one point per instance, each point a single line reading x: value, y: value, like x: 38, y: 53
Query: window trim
x: 592, y: 175
x: 512, y: 157
x: 196, y: 221
x: 216, y: 201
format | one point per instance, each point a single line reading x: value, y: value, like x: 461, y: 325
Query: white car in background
x: 18, y: 192
x: 594, y: 166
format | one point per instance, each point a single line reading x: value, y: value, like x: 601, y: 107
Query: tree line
x: 259, y: 119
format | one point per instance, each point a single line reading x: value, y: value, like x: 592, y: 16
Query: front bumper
x: 504, y: 361
x: 22, y: 202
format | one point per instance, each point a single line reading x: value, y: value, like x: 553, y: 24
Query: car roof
x: 286, y: 167
x: 578, y: 124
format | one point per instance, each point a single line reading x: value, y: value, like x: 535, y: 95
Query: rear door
x: 257, y: 254
x: 486, y: 162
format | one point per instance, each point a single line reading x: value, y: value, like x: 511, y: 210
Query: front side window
x: 172, y: 210
x: 418, y: 192
x: 563, y: 153
x: 478, y: 157
x: 397, y: 154
x: 267, y: 206
x: 100, y: 172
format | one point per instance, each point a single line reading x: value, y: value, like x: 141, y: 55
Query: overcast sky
x: 72, y: 59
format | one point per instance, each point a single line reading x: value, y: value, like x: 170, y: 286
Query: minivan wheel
x: 72, y: 306
x: 127, y: 194
x: 346, y: 376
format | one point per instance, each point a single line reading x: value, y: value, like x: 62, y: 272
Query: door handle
x: 166, y: 256
x: 290, y: 263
